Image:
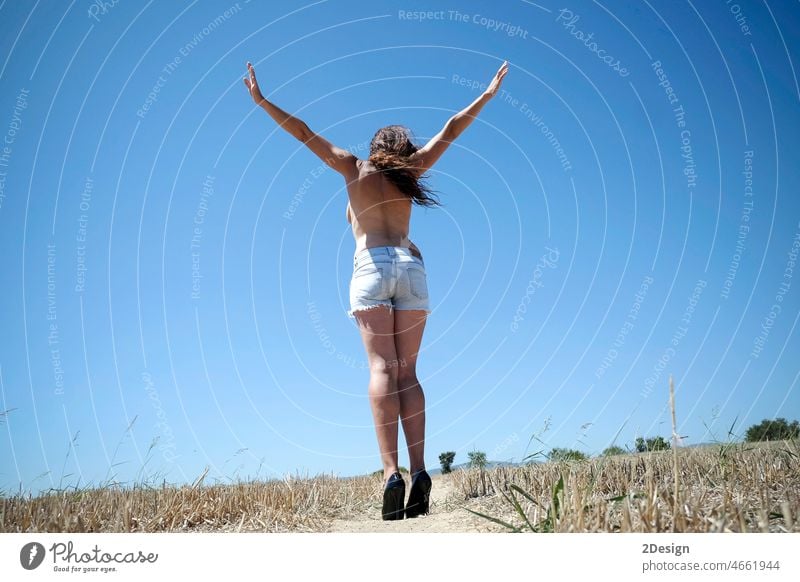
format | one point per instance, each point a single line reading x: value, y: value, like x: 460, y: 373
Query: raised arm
x: 424, y: 158
x: 340, y: 160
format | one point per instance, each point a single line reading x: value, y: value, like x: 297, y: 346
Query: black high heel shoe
x: 393, y: 496
x: 419, y: 497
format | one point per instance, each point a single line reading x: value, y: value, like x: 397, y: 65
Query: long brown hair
x: 389, y: 151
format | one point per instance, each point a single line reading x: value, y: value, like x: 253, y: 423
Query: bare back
x: 377, y: 211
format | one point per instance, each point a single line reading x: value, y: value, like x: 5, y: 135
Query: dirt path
x: 447, y: 515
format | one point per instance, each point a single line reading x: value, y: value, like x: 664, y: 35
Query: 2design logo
x: 31, y: 555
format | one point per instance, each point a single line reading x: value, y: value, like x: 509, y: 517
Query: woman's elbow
x: 302, y: 132
x: 455, y: 127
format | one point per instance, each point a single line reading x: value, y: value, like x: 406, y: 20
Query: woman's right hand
x: 494, y: 86
x: 252, y: 84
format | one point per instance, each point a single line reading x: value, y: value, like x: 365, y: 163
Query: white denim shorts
x: 389, y: 276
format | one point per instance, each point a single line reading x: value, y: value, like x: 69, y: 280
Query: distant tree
x: 559, y: 454
x: 651, y: 444
x: 777, y: 429
x: 614, y: 450
x: 477, y: 459
x: 446, y: 461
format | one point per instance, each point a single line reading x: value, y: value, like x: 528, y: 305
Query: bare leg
x: 409, y: 326
x: 377, y: 332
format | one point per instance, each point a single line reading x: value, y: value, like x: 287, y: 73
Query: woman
x: 388, y: 290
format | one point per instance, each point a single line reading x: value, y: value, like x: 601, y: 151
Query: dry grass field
x: 290, y: 504
x: 722, y: 488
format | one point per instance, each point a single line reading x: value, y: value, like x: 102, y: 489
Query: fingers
x: 250, y: 81
x: 501, y: 72
x: 249, y: 78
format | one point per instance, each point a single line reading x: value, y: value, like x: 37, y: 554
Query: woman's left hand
x: 252, y: 84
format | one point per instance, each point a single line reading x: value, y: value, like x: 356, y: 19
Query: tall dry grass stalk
x: 742, y: 487
x: 676, y: 496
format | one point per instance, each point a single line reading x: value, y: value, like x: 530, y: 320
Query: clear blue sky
x: 626, y: 209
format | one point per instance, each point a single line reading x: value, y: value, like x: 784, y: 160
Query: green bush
x: 559, y: 454
x: 379, y: 472
x: 651, y: 444
x: 477, y: 459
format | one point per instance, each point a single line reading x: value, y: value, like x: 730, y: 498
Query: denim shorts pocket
x: 417, y: 283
